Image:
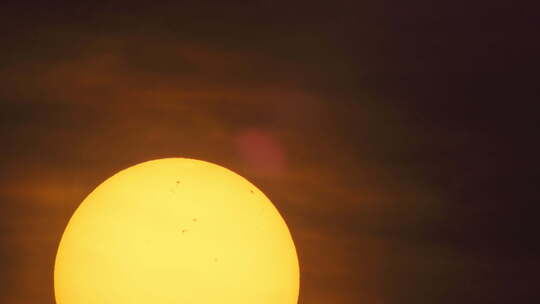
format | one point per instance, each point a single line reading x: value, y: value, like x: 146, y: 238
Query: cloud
x: 99, y: 103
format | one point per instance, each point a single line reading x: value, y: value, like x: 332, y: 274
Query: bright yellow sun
x: 179, y: 231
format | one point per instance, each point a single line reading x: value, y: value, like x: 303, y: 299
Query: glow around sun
x: 179, y: 231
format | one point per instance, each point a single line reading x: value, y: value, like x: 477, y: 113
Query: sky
x: 398, y: 139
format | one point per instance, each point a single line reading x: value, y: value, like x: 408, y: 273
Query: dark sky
x: 397, y: 138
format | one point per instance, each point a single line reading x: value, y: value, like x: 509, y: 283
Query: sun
x: 176, y: 230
